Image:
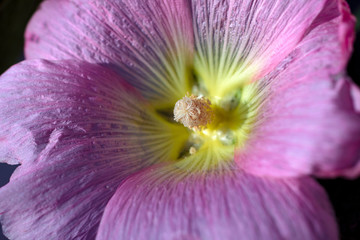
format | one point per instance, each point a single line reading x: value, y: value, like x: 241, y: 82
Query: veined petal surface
x: 88, y: 130
x: 309, y: 123
x: 161, y: 203
x: 149, y: 42
x: 240, y: 41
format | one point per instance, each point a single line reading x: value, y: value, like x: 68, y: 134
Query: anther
x: 192, y: 150
x: 193, y: 112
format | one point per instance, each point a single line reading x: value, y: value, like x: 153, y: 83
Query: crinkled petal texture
x: 149, y: 42
x: 161, y: 203
x: 237, y: 41
x: 82, y: 130
x: 308, y: 121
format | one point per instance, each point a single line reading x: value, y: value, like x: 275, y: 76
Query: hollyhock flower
x: 262, y: 103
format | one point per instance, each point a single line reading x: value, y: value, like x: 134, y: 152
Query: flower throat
x: 216, y: 125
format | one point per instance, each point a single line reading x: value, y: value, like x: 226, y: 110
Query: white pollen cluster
x: 193, y: 112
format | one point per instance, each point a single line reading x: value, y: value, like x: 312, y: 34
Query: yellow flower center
x: 216, y: 125
x: 199, y: 131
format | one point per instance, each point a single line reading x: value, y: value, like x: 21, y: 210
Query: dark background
x: 344, y: 194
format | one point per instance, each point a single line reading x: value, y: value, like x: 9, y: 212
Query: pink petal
x: 309, y: 123
x: 149, y: 42
x: 84, y: 128
x: 162, y: 204
x: 346, y: 28
x: 237, y: 37
x: 63, y: 198
x: 353, y: 171
x: 355, y: 93
x: 39, y: 98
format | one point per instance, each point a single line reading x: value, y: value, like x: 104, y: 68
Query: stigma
x: 193, y: 112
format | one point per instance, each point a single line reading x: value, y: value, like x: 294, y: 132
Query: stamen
x: 193, y: 112
x: 192, y: 150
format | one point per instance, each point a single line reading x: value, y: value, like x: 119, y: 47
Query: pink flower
x: 101, y: 156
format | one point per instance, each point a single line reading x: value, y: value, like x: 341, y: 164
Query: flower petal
x: 355, y: 93
x: 309, y: 123
x: 87, y: 129
x: 63, y: 198
x: 161, y: 204
x: 149, y: 42
x: 238, y: 41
